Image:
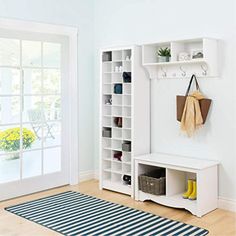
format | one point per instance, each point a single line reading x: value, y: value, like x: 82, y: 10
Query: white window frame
x: 72, y: 34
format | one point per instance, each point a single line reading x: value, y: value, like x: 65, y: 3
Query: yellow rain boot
x: 189, y: 190
x: 193, y: 195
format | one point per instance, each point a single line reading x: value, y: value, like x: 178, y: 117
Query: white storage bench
x: 178, y: 170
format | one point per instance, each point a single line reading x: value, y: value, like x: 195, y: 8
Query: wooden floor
x: 218, y: 222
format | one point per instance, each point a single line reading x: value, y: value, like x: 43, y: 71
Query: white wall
x: 77, y: 13
x: 121, y: 22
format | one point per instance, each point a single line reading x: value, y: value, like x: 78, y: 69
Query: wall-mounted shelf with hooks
x: 193, y: 56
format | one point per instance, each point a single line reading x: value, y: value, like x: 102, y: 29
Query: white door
x: 33, y: 113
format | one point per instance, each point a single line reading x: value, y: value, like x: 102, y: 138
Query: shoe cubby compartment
x: 126, y: 169
x: 117, y: 78
x: 106, y: 154
x: 116, y: 178
x: 177, y: 182
x: 107, y: 67
x: 127, y: 100
x: 127, y: 88
x: 107, y: 56
x: 127, y: 123
x: 107, y: 110
x: 106, y: 175
x: 106, y: 143
x: 116, y: 144
x: 126, y: 157
x: 127, y: 55
x: 116, y: 133
x: 117, y: 100
x: 127, y: 66
x: 117, y: 122
x: 117, y: 67
x: 126, y: 134
x: 107, y: 99
x: 117, y: 111
x: 107, y: 165
x: 150, y: 52
x: 117, y: 156
x: 118, y: 88
x: 127, y: 112
x: 117, y: 55
x: 107, y: 78
x: 106, y: 132
x: 116, y: 167
x: 107, y: 89
x: 107, y: 121
x: 126, y: 146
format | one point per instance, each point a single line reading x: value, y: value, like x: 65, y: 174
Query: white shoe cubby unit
x: 124, y: 116
x: 178, y: 170
x: 207, y: 66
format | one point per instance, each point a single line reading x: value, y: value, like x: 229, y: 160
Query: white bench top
x: 175, y: 160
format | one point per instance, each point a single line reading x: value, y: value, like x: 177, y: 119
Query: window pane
x: 9, y: 52
x: 32, y: 109
x: 51, y: 55
x: 31, y: 53
x: 52, y: 134
x: 9, y: 110
x: 52, y: 160
x: 9, y: 81
x: 31, y: 164
x: 51, y: 81
x: 32, y: 135
x: 52, y: 107
x: 32, y: 81
x: 9, y: 168
x: 9, y: 139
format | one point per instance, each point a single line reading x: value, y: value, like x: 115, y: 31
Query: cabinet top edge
x: 177, y: 160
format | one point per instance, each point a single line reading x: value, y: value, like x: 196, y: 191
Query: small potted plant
x: 10, y: 141
x: 164, y: 54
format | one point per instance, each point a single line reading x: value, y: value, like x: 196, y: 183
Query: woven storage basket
x: 153, y: 185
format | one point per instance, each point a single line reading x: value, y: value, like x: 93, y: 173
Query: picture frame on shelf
x: 197, y: 54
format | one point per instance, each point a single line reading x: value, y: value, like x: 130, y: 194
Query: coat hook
x: 204, y: 70
x: 164, y: 72
x: 183, y: 71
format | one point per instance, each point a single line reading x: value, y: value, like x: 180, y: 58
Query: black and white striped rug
x: 72, y: 213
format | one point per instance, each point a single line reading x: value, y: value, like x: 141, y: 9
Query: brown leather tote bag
x: 204, y: 103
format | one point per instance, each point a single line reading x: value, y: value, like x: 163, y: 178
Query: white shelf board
x: 193, y: 61
x: 175, y: 160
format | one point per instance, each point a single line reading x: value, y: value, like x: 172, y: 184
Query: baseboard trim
x: 86, y: 175
x: 227, y: 204
x: 96, y: 174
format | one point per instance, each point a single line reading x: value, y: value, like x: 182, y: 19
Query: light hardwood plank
x: 218, y: 222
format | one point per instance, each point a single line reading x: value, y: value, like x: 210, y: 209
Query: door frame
x: 72, y: 34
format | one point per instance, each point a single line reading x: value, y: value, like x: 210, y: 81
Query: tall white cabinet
x: 124, y: 116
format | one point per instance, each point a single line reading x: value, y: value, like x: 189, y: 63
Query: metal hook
x: 204, y: 70
x: 164, y: 72
x: 183, y: 71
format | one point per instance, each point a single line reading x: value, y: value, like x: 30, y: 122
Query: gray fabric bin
x: 148, y: 184
x: 106, y: 133
x: 126, y: 147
